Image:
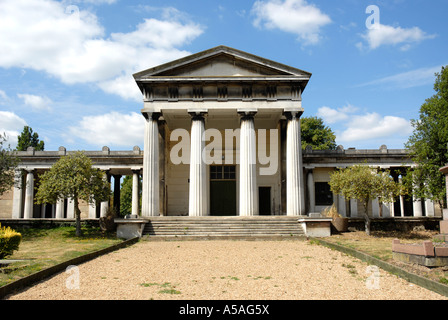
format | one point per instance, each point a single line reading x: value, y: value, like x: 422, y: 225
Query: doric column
x: 135, y: 192
x: 92, y: 210
x: 417, y: 206
x: 17, y: 202
x: 104, y: 207
x: 429, y: 208
x: 150, y: 183
x: 310, y: 182
x: 70, y: 209
x: 248, y: 198
x: 197, y: 205
x: 342, y: 205
x: 60, y: 209
x: 29, y: 195
x: 353, y: 207
x: 295, y: 197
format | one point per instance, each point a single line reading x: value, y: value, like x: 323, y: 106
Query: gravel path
x: 226, y: 270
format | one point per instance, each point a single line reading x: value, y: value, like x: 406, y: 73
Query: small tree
x: 29, y: 139
x: 73, y: 177
x: 8, y: 161
x: 363, y: 183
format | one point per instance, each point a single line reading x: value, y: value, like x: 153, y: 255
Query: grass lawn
x: 379, y: 245
x: 42, y: 248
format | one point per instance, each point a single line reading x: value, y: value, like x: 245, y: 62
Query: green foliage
x: 364, y: 183
x: 73, y: 177
x: 9, y: 241
x: 316, y: 134
x: 428, y: 145
x: 29, y: 139
x: 8, y: 161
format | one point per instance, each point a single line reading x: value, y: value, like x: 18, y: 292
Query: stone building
x: 222, y: 138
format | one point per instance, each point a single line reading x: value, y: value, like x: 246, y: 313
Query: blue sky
x: 66, y: 66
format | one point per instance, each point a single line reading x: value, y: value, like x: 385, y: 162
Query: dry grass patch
x: 42, y: 248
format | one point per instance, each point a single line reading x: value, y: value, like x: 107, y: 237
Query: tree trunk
x: 78, y: 217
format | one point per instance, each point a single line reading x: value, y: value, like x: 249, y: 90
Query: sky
x: 66, y: 66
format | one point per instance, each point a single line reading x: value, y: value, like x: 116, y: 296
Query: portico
x: 239, y: 97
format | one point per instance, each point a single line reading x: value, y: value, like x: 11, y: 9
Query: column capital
x: 198, y: 114
x: 150, y: 115
x: 292, y: 114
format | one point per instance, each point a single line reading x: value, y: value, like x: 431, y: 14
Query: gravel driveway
x: 226, y: 270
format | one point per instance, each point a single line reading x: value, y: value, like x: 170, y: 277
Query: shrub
x: 9, y: 241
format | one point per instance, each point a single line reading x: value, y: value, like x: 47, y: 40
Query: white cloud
x: 293, y: 16
x: 111, y: 129
x: 11, y: 124
x: 374, y: 126
x: 330, y: 115
x: 3, y: 97
x: 71, y: 44
x: 37, y: 103
x: 409, y: 79
x: 389, y: 35
x: 366, y: 127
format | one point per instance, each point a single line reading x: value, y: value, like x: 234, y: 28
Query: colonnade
x: 248, y: 188
x: 24, y: 207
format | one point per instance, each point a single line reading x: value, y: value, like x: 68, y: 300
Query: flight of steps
x: 210, y: 227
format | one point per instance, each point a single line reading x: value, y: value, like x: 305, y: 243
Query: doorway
x: 264, y: 201
x: 223, y: 190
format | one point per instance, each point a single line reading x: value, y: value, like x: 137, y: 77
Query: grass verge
x: 43, y: 248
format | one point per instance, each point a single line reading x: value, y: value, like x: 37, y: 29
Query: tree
x: 428, y: 145
x: 73, y: 177
x: 29, y: 139
x: 8, y: 162
x: 316, y: 134
x: 364, y: 183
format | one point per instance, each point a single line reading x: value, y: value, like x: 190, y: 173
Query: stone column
x: 375, y: 208
x: 104, y: 207
x: 353, y: 207
x: 17, y: 202
x: 342, y: 205
x: 429, y: 208
x: 311, y: 190
x: 197, y: 203
x: 29, y: 195
x: 135, y: 192
x: 295, y: 198
x: 417, y: 207
x: 150, y: 183
x: 70, y: 209
x: 60, y: 209
x: 92, y: 211
x: 248, y: 189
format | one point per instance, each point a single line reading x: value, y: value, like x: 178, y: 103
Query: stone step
x: 260, y: 226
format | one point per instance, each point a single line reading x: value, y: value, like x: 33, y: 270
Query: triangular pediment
x: 222, y: 61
